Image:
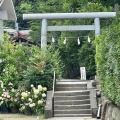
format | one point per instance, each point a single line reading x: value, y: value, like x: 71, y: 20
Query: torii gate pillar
x: 44, y: 34
x: 97, y: 26
x: 1, y: 30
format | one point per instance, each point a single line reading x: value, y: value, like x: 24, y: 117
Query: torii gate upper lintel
x: 92, y: 15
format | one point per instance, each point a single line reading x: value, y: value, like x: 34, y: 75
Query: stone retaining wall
x: 109, y: 110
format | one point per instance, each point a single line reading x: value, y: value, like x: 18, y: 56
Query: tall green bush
x: 108, y: 61
x: 14, y: 60
x: 42, y: 66
x: 26, y: 65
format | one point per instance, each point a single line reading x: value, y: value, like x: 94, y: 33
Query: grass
x: 1, y: 118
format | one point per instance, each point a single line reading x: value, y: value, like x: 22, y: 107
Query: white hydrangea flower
x: 13, y: 89
x: 40, y: 102
x: 1, y: 84
x: 39, y: 87
x: 32, y: 85
x: 22, y: 108
x: 31, y: 105
x: 29, y: 99
x: 36, y: 91
x: 35, y: 96
x: 8, y: 96
x: 15, y: 100
x: 10, y: 83
x: 44, y: 89
x: 24, y: 94
x: 43, y: 95
x: 27, y: 104
x: 0, y: 98
x: 22, y: 98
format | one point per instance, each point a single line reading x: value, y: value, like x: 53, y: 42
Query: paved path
x: 71, y: 118
x: 24, y: 117
x: 17, y: 117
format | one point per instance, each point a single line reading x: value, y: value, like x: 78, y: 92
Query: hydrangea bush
x: 9, y: 96
x: 33, y: 101
x: 27, y: 102
x: 23, y: 66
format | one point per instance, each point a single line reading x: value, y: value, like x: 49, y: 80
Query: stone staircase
x: 72, y: 99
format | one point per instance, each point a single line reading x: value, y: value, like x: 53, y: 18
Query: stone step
x: 71, y: 93
x: 70, y: 88
x: 73, y: 111
x: 71, y: 99
x: 72, y: 115
x: 77, y: 97
x: 71, y: 84
x: 64, y: 107
x: 70, y: 102
x: 72, y: 80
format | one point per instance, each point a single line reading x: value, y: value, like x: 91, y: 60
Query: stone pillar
x: 44, y: 34
x: 1, y: 30
x: 48, y: 107
x: 97, y: 27
x: 116, y: 7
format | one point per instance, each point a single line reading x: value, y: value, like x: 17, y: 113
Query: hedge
x: 108, y: 61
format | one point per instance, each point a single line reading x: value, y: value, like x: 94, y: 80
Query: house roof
x: 7, y: 5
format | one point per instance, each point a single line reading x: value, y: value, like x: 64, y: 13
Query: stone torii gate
x: 7, y: 12
x: 51, y: 16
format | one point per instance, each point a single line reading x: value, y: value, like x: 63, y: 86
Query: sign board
x: 83, y: 73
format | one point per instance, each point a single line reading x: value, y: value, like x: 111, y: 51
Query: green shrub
x: 23, y: 65
x: 42, y: 66
x: 28, y: 65
x: 108, y: 61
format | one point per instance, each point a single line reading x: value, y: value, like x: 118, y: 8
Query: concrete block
x: 93, y: 102
x: 48, y: 107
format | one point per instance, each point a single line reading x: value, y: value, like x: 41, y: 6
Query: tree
x: 53, y: 6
